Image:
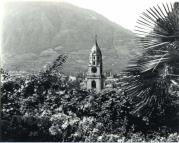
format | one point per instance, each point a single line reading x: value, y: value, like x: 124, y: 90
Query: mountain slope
x: 35, y: 33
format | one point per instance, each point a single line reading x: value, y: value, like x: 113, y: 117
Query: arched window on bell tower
x: 93, y: 59
x: 93, y: 84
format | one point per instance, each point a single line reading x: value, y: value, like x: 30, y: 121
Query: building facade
x: 95, y: 69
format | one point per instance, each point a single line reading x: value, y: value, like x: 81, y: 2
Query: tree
x: 149, y: 77
x: 23, y: 99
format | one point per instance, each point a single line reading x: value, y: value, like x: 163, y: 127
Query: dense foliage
x: 37, y: 109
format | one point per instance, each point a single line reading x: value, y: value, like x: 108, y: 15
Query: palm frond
x: 157, y: 33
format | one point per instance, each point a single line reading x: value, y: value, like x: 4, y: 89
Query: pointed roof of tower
x: 95, y: 48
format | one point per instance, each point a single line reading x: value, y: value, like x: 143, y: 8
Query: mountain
x: 35, y: 33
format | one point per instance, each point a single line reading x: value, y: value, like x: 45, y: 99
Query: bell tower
x: 95, y: 69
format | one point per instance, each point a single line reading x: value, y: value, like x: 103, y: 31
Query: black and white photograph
x: 89, y: 70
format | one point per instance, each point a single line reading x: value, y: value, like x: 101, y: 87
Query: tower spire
x: 96, y: 38
x: 96, y: 41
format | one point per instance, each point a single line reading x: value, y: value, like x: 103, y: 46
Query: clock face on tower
x: 93, y: 69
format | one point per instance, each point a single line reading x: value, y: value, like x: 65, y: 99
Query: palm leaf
x: 150, y: 74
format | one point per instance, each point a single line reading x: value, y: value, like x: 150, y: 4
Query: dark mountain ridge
x: 35, y: 33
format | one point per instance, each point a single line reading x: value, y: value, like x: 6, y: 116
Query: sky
x: 122, y: 12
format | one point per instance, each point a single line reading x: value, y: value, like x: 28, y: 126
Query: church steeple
x: 95, y: 57
x: 95, y: 68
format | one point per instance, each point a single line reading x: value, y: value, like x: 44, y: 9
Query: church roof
x: 95, y: 48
